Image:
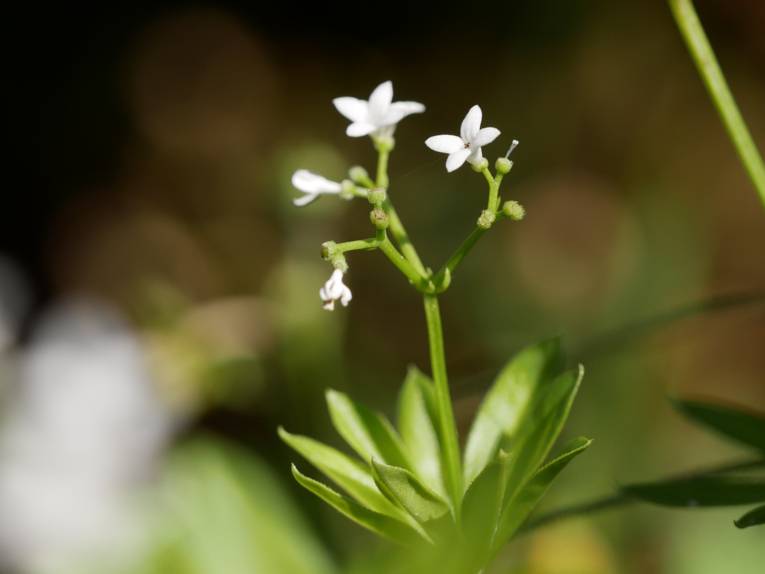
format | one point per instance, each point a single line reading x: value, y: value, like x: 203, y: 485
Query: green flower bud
x: 481, y: 165
x: 348, y: 189
x: 503, y: 165
x: 358, y: 175
x: 377, y: 196
x: 486, y: 219
x: 513, y: 210
x: 328, y: 250
x: 379, y: 218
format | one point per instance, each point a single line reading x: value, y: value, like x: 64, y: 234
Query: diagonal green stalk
x: 446, y: 425
x: 706, y: 62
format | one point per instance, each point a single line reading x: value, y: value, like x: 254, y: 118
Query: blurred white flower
x: 335, y: 290
x: 81, y: 435
x: 377, y: 116
x: 312, y: 185
x: 466, y: 146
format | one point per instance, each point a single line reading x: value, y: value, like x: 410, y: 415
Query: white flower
x: 79, y: 439
x: 313, y: 185
x: 466, y: 146
x: 335, y: 290
x: 377, y: 116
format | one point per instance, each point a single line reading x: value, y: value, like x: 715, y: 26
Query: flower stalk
x: 704, y: 57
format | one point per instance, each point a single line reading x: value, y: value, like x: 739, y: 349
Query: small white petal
x: 352, y: 108
x: 346, y: 297
x: 310, y: 182
x: 379, y: 100
x: 485, y: 136
x: 476, y: 156
x: 456, y: 159
x: 399, y: 110
x: 471, y: 124
x: 358, y: 129
x: 445, y: 143
x: 305, y: 199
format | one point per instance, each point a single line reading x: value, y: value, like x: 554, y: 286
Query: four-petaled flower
x: 335, y: 290
x: 379, y: 115
x: 312, y: 185
x: 466, y: 146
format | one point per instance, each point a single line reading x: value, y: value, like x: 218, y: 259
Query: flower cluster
x: 377, y: 118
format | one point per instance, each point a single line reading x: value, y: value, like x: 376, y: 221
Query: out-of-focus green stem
x: 447, y: 426
x: 706, y: 62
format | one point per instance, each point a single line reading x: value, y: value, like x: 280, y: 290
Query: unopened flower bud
x: 503, y: 165
x: 377, y: 196
x: 486, y: 219
x: 481, y: 165
x: 358, y: 175
x: 328, y: 250
x: 379, y: 218
x: 513, y: 210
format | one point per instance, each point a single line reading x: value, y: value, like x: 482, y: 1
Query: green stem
x: 401, y: 263
x: 460, y: 253
x: 402, y: 238
x: 447, y: 425
x: 706, y: 62
x: 493, y: 189
x: 383, y: 153
x: 358, y: 245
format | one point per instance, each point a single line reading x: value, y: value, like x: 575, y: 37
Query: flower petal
x: 310, y: 182
x: 304, y: 199
x: 475, y: 157
x: 456, y: 159
x: 485, y: 136
x: 379, y: 100
x: 471, y: 124
x: 352, y: 108
x: 358, y: 129
x: 445, y: 143
x: 399, y: 110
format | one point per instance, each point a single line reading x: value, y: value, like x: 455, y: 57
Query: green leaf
x: 378, y: 523
x: 704, y: 490
x: 367, y: 432
x: 508, y: 402
x: 745, y: 426
x: 535, y: 489
x: 480, y: 511
x: 418, y: 430
x: 754, y: 517
x: 537, y: 437
x: 402, y: 487
x: 348, y: 474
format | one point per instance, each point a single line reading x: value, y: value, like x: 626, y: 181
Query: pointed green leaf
x: 754, y: 517
x: 348, y: 474
x: 508, y: 402
x: 378, y: 523
x: 533, y: 491
x: 537, y: 437
x: 418, y: 430
x: 737, y: 423
x: 480, y: 511
x: 367, y: 432
x: 704, y: 490
x: 402, y: 487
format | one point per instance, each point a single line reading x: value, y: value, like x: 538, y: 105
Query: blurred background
x: 159, y: 310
